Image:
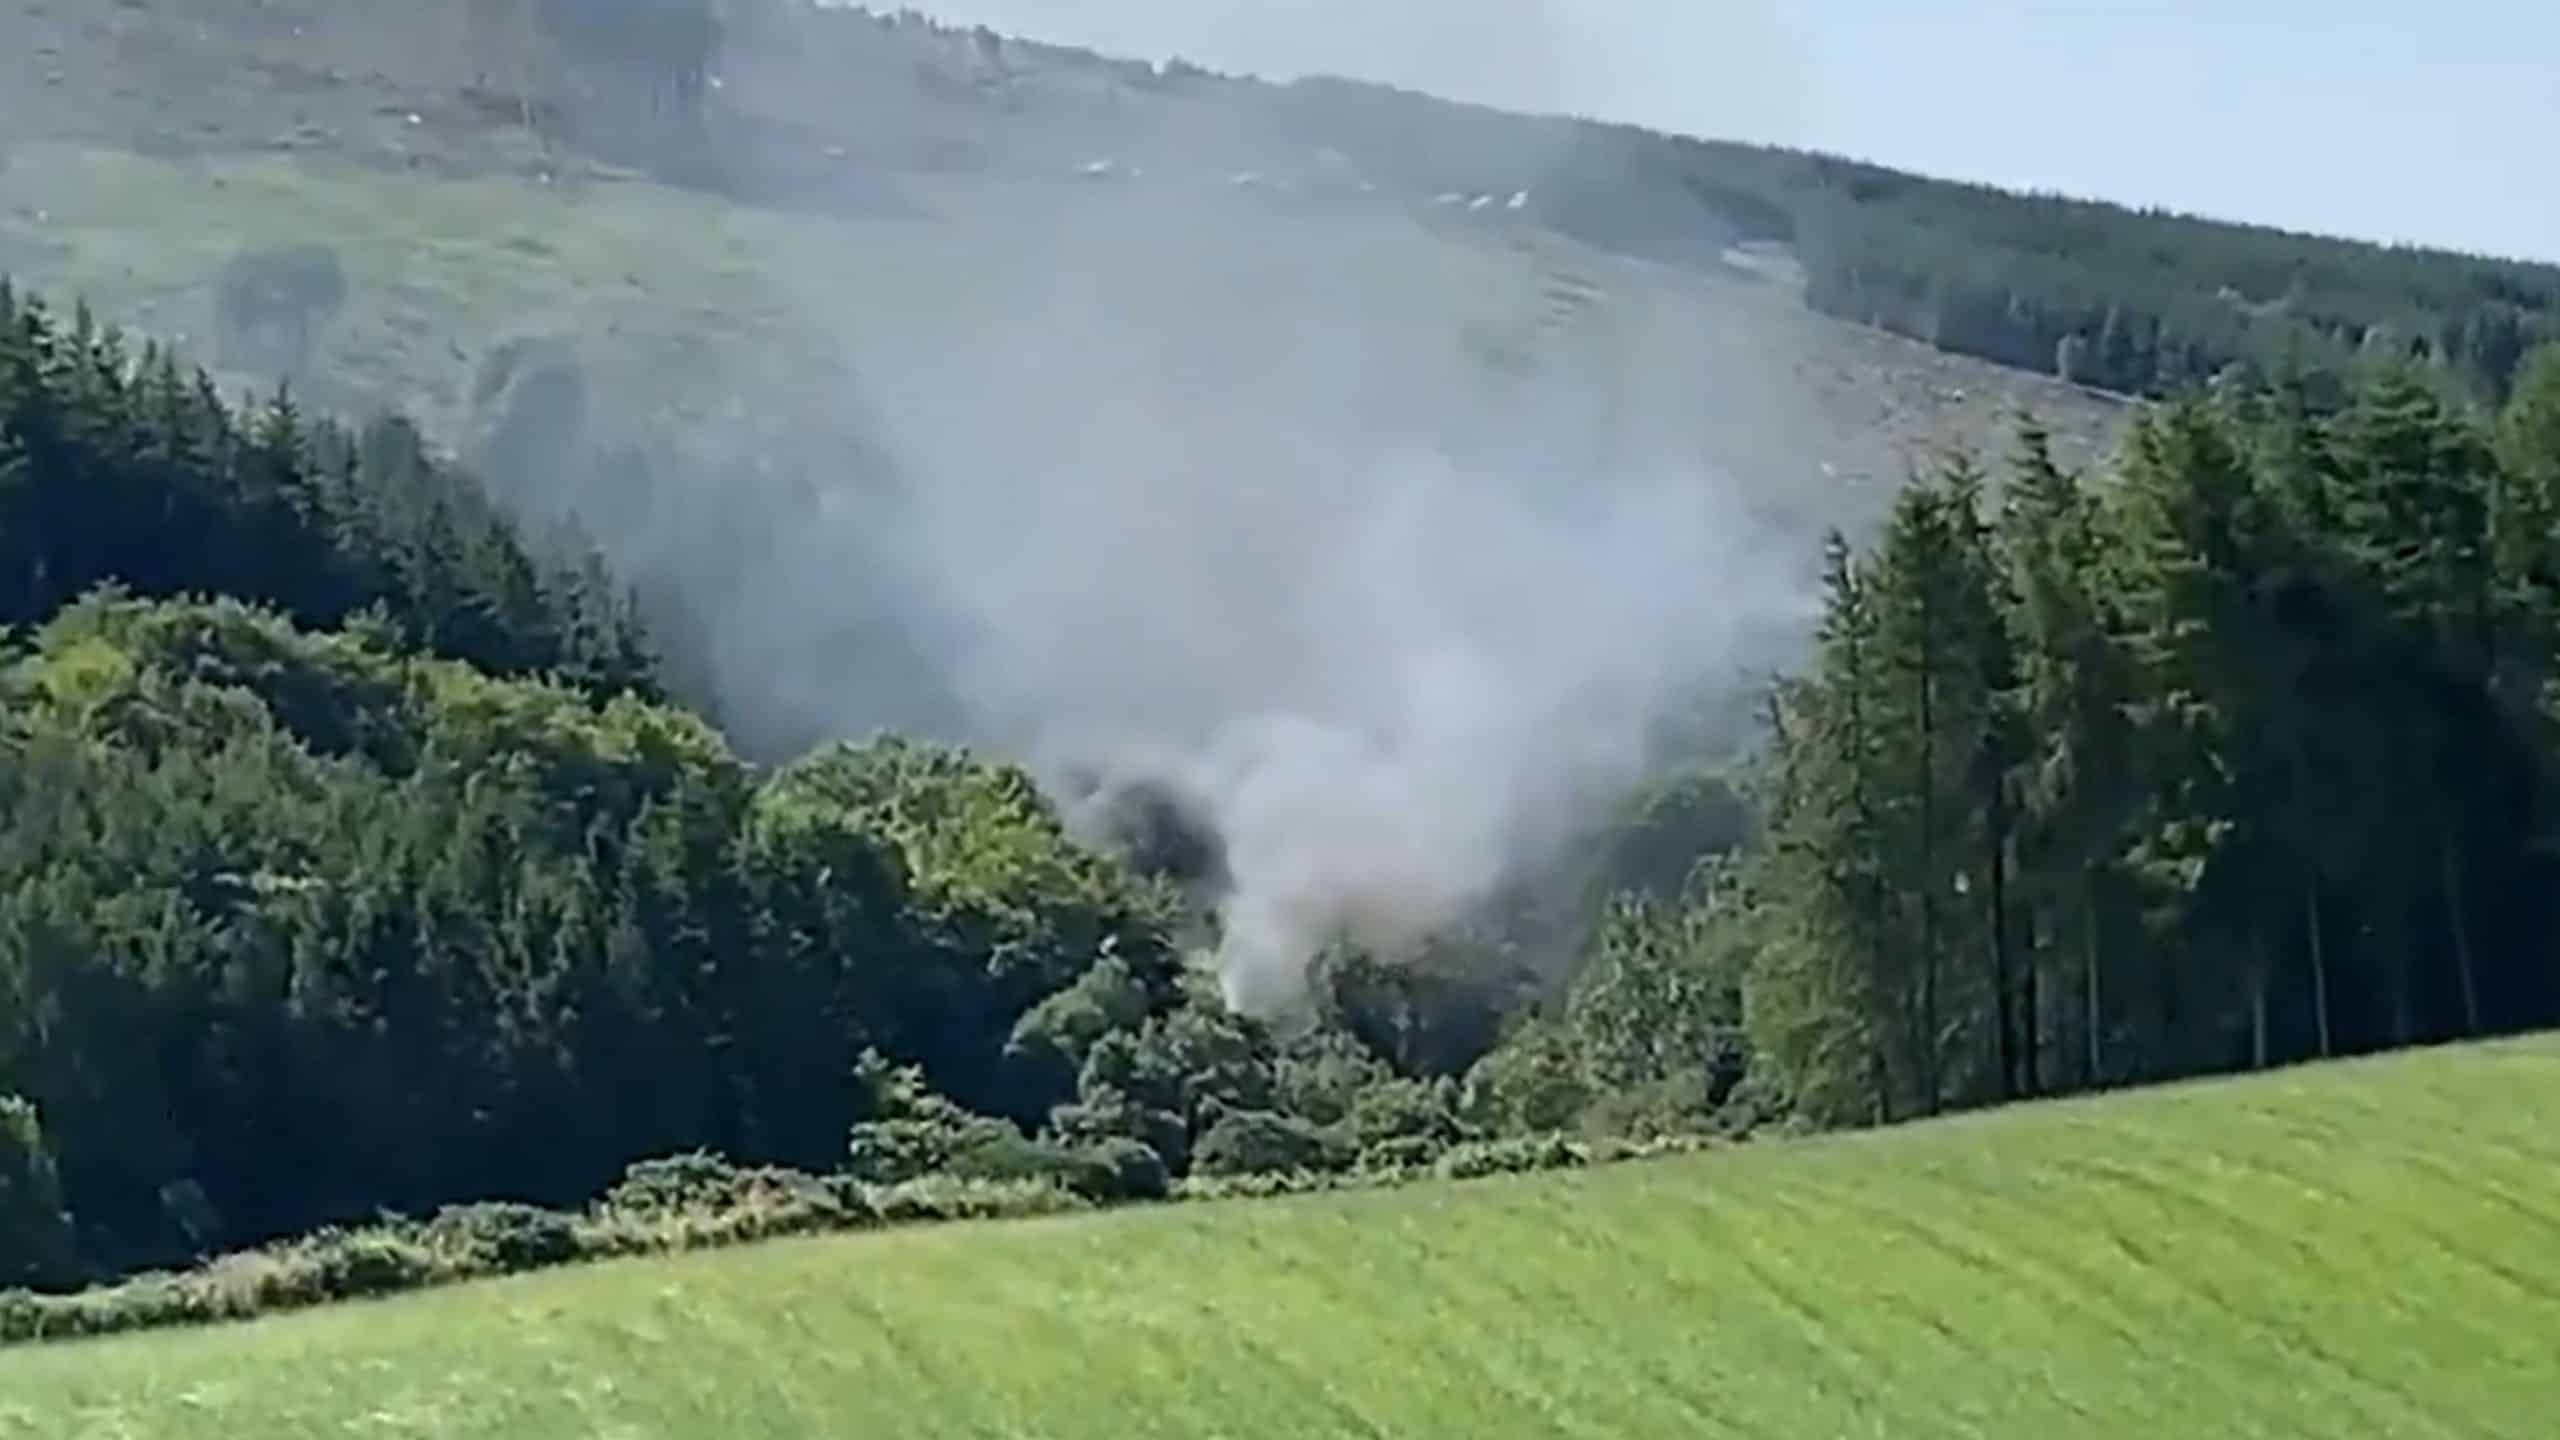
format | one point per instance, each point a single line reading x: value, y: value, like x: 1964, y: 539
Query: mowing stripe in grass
x: 2358, y: 1249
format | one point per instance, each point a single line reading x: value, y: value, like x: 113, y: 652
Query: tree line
x: 122, y: 466
x: 2140, y: 302
x: 2150, y: 303
x: 353, y: 860
x: 2238, y: 756
x: 2241, y: 752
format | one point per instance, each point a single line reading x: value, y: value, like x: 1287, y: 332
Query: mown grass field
x: 2363, y: 1249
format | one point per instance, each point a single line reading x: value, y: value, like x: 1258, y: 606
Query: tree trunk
x: 1880, y: 1073
x: 2404, y: 997
x: 1931, y: 1087
x: 2257, y: 1000
x: 2093, y: 1014
x: 2461, y: 930
x: 1880, y: 1081
x: 2004, y: 990
x: 1929, y: 1048
x: 2319, y: 968
x: 2032, y: 1058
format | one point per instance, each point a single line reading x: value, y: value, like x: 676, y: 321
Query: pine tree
x: 1818, y: 1014
x: 2225, y: 747
x: 2415, y: 507
x: 1938, y: 633
x: 2076, y: 691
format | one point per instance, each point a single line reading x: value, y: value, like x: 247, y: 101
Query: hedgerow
x: 686, y: 1203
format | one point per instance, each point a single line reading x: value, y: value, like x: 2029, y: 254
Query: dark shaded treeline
x: 323, y: 901
x: 121, y: 466
x: 2135, y: 301
x: 385, y: 878
x: 2140, y: 302
x: 2245, y: 756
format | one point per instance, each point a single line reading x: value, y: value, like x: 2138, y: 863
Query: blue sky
x: 2437, y: 123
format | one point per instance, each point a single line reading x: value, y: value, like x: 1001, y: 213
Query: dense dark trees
x: 2243, y: 758
x: 281, y: 903
x: 2239, y: 754
x: 117, y: 466
x: 2142, y: 302
x: 2150, y: 302
x: 35, y: 1234
x: 391, y: 870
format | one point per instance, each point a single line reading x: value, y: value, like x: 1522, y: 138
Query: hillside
x: 834, y: 112
x: 745, y: 346
x: 1014, y: 631
x: 854, y: 194
x: 2357, y: 1249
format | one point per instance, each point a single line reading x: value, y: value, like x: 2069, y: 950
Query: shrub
x: 1676, y: 1105
x: 1244, y: 1142
x: 503, y: 1238
x: 21, y: 1317
x: 676, y: 1184
x: 1416, y: 1110
x: 1107, y: 1170
x: 1532, y: 1082
x: 1137, y: 1171
x: 690, y: 1206
x: 35, y: 1234
x: 1402, y: 1152
x: 1107, y: 1115
x: 1511, y: 1157
x: 353, y: 1265
x: 1059, y: 1032
x: 913, y: 1132
x: 1269, y: 1185
x: 331, y: 1265
x: 940, y: 1197
x: 1323, y: 1074
x: 699, y: 1201
x: 1013, y: 1157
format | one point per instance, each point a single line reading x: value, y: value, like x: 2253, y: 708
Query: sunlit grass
x: 2365, y: 1249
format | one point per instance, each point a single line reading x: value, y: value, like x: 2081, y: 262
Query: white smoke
x: 1385, y: 533
x: 1214, y: 517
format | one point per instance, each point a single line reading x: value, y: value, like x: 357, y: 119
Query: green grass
x: 2363, y: 1249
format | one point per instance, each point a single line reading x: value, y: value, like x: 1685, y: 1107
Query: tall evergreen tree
x: 2078, y: 782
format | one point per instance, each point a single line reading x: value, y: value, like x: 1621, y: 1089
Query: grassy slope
x: 2369, y: 1248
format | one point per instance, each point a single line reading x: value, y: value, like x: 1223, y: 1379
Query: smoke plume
x: 1205, y: 514
x: 1375, y: 530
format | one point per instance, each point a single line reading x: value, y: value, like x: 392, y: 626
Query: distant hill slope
x: 557, y: 263
x: 2357, y: 1249
x: 698, y: 329
x: 874, y: 173
x: 838, y: 108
